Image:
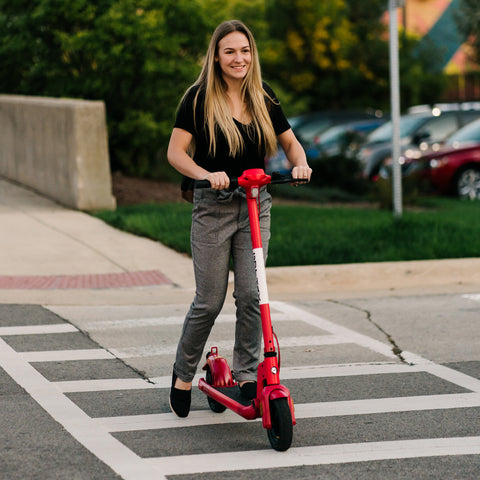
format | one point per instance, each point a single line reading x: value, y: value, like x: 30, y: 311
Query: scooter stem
x: 252, y: 180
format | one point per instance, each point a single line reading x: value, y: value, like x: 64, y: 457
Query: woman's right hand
x: 218, y: 180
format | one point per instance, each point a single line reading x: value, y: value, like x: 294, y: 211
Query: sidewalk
x: 52, y: 255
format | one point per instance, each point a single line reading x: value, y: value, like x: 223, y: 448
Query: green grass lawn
x: 315, y: 234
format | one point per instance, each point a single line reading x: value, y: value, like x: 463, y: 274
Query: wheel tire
x: 467, y: 183
x: 213, y: 404
x: 281, y: 433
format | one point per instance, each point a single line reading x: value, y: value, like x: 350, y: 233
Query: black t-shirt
x: 250, y: 157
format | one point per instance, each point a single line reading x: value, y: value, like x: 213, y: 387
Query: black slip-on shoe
x: 180, y: 400
x: 249, y: 390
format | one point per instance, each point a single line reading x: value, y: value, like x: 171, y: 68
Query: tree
x: 136, y: 55
x: 331, y: 52
x: 335, y: 55
x: 468, y: 21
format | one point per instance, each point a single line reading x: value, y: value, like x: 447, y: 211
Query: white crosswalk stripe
x: 318, y: 455
x: 473, y: 296
x: 104, y: 385
x: 155, y: 321
x: 67, y: 355
x: 322, y: 371
x: 150, y: 350
x: 302, y: 410
x: 37, y: 329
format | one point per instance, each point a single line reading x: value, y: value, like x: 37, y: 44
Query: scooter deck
x: 234, y: 394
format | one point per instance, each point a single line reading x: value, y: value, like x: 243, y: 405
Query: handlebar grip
x: 206, y: 184
x: 286, y: 178
x: 279, y: 178
x: 202, y: 184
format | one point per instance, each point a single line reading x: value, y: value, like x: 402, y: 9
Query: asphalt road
x: 385, y: 388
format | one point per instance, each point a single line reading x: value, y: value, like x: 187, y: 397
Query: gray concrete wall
x: 58, y: 147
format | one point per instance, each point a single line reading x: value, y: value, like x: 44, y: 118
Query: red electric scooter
x: 273, y: 402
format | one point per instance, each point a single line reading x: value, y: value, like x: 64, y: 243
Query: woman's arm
x: 180, y: 160
x: 295, y: 154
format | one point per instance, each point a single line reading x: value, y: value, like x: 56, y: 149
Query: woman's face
x: 234, y: 56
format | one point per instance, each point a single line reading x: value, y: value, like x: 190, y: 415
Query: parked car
x: 307, y: 127
x: 449, y: 171
x: 453, y: 168
x: 418, y: 130
x: 341, y: 138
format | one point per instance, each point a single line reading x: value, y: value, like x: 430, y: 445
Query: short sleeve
x: 279, y: 121
x: 185, y: 115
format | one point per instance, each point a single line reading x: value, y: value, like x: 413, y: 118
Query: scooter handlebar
x: 276, y: 178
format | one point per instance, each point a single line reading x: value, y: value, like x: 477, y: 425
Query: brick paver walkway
x: 93, y: 281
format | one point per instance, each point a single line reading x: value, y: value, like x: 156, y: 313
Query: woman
x: 227, y: 122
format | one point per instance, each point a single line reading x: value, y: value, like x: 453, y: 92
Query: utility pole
x: 395, y: 106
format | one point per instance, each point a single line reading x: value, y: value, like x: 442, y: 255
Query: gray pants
x: 220, y: 234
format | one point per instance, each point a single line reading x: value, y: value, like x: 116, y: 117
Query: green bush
x: 339, y: 172
x: 382, y: 191
x: 137, y: 56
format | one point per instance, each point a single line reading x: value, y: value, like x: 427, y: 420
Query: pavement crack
x: 397, y: 351
x: 87, y: 334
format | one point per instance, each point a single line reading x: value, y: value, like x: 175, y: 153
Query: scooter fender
x: 270, y: 393
x: 221, y: 373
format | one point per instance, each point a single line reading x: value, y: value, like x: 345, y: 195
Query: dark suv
x: 419, y: 129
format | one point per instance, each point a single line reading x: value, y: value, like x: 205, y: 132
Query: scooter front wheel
x: 281, y: 433
x: 215, y: 406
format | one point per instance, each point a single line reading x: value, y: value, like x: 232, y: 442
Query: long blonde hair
x: 217, y: 111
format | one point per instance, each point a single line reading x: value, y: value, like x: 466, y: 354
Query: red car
x: 452, y: 169
x: 456, y: 171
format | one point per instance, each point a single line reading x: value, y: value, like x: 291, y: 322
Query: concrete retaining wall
x: 58, y: 147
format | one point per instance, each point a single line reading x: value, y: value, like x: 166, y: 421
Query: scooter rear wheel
x: 281, y: 433
x: 215, y: 406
